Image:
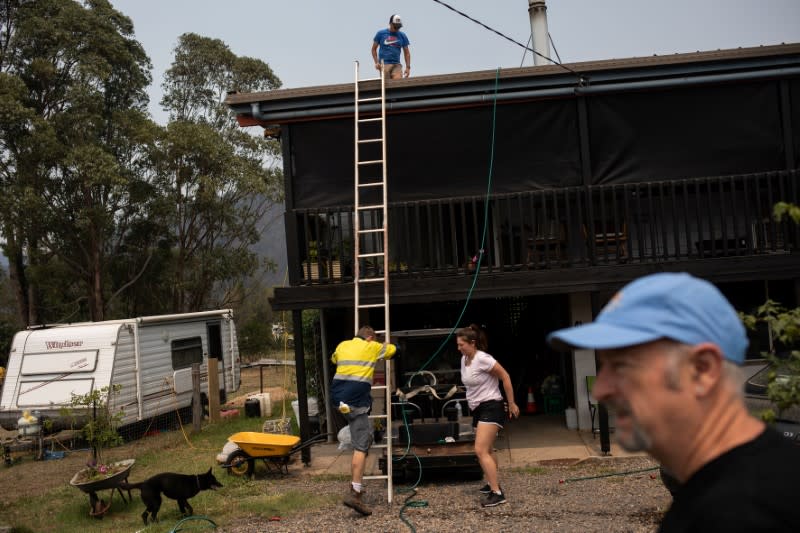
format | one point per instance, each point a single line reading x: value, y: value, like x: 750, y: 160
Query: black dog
x: 179, y: 487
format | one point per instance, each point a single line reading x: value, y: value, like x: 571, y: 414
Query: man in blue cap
x: 669, y: 348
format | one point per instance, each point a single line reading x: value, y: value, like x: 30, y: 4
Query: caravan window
x: 185, y: 352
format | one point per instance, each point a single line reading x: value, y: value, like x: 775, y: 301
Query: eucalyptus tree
x: 18, y: 129
x: 73, y: 136
x: 9, y: 320
x: 220, y: 178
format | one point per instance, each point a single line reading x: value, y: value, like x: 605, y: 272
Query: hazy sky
x: 315, y: 42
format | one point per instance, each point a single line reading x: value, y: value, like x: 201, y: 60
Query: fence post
x: 213, y: 390
x: 197, y: 405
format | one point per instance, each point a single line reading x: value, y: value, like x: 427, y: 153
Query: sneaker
x: 353, y: 501
x: 486, y: 489
x: 494, y: 499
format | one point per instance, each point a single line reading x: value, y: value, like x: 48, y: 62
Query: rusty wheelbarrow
x: 274, y: 449
x: 119, y: 473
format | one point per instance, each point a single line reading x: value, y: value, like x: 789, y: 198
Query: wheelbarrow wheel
x: 241, y: 464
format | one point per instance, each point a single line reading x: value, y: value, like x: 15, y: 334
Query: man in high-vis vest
x: 351, y: 393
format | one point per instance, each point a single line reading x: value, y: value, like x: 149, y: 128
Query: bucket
x: 265, y: 403
x: 572, y: 418
x: 28, y: 426
x: 313, y: 410
x: 252, y: 408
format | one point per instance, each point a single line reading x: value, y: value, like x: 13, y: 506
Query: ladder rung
x: 376, y: 119
x: 370, y: 306
x: 364, y: 141
x: 371, y: 162
x: 382, y: 476
x: 374, y: 254
x: 376, y: 230
x: 379, y: 446
x: 370, y: 280
x: 370, y: 99
x: 367, y: 207
x: 371, y: 184
x: 369, y: 79
x: 378, y: 416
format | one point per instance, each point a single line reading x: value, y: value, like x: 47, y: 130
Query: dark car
x: 787, y: 421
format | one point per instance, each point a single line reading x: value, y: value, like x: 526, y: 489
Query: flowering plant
x: 95, y: 471
x: 99, y: 470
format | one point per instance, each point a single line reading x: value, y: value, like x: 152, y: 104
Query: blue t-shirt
x: 389, y: 45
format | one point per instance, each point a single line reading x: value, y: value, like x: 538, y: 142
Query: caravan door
x: 186, y: 352
x: 215, y: 351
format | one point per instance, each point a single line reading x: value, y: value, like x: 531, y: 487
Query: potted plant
x: 321, y: 262
x: 315, y: 266
x: 377, y: 431
x: 100, y: 432
x: 394, y: 266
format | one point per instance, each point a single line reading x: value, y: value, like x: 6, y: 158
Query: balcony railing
x: 558, y: 228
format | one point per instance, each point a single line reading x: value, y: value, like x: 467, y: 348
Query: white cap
x: 396, y: 20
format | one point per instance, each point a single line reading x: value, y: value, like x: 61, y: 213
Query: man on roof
x: 386, y: 46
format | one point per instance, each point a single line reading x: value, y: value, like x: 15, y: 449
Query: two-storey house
x: 522, y: 198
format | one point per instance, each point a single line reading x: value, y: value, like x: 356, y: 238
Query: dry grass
x: 29, y: 481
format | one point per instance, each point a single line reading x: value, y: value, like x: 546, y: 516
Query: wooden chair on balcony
x: 610, y: 240
x: 547, y: 242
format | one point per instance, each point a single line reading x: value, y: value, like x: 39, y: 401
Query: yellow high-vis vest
x: 356, y: 359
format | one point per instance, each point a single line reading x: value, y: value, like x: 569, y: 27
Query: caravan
x: 149, y: 357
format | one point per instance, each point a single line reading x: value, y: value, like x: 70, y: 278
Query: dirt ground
x: 539, y: 497
x: 29, y: 477
x: 549, y: 498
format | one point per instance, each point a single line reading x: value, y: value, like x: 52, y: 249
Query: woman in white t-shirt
x: 482, y: 374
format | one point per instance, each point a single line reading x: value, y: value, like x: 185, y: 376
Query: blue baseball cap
x: 680, y: 307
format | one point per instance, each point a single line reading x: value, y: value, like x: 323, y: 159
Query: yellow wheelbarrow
x: 273, y: 448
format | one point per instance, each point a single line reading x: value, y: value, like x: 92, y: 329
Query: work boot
x: 353, y: 501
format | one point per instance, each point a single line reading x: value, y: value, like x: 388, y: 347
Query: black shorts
x: 491, y: 412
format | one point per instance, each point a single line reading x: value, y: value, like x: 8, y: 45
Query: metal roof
x: 477, y: 88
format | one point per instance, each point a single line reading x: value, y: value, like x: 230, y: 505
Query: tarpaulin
x: 442, y: 153
x: 685, y: 132
x: 659, y: 134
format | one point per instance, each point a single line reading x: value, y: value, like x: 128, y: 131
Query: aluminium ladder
x: 371, y: 235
